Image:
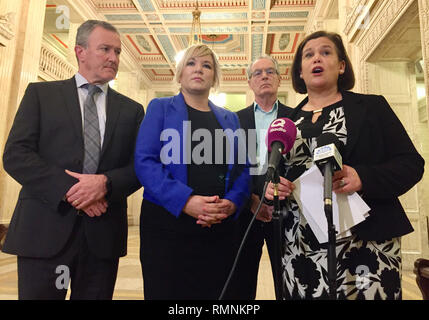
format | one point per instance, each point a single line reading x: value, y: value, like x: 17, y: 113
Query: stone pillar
x: 128, y: 84
x: 424, y: 29
x: 19, y: 65
x: 71, y: 56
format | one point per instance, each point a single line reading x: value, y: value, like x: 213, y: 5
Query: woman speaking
x: 380, y: 163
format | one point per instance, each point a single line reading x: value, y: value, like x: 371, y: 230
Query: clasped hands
x: 209, y: 210
x: 88, y: 194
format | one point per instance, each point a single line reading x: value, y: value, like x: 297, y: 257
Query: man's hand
x: 265, y: 214
x: 96, y: 209
x: 89, y: 189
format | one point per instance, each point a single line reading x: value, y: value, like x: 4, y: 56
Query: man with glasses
x: 264, y: 80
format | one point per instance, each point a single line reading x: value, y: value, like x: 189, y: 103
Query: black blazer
x: 46, y: 138
x: 380, y: 150
x: 247, y: 121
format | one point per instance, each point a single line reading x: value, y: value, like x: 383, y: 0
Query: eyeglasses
x: 270, y: 72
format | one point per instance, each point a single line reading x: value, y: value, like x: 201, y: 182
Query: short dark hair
x: 85, y: 29
x: 346, y: 81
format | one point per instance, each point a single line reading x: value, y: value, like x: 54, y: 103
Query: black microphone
x: 328, y: 159
x: 280, y: 138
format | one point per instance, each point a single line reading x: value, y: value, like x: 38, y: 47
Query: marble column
x: 71, y: 56
x: 19, y: 65
x: 424, y: 30
x: 128, y: 84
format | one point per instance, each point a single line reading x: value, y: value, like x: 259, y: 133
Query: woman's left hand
x: 346, y: 181
x: 285, y: 188
x: 215, y: 212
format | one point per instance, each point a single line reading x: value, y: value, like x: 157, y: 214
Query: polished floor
x: 129, y: 285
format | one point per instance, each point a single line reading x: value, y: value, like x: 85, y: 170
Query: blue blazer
x: 165, y: 184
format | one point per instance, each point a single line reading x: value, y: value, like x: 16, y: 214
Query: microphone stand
x: 278, y: 244
x: 332, y: 256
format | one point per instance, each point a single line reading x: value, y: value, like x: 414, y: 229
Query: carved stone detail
x: 7, y: 22
x: 53, y: 67
x: 380, y: 22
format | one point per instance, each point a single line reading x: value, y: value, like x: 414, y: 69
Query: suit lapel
x: 355, y: 112
x: 248, y: 121
x: 69, y: 91
x: 112, y: 113
x: 283, y: 111
x: 221, y: 118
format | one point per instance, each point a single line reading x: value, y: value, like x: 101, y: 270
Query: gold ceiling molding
x: 175, y: 4
x: 286, y: 3
x: 6, y: 28
x: 117, y: 4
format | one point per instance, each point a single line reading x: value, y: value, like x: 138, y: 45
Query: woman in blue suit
x: 188, y: 160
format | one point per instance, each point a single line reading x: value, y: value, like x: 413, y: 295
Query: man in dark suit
x: 71, y: 148
x: 264, y: 80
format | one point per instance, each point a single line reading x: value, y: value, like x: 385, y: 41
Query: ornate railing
x: 54, y: 67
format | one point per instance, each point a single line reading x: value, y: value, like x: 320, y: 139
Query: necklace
x: 318, y: 110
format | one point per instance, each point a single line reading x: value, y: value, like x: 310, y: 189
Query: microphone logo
x: 278, y: 123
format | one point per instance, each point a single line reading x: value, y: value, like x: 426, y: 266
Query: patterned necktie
x: 91, y: 132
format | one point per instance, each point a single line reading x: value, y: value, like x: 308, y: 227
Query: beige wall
x: 19, y: 65
x: 384, y: 65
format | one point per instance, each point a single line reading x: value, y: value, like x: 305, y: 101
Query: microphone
x: 280, y: 138
x: 327, y: 151
x: 328, y: 159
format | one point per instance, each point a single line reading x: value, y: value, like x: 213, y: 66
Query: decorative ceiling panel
x: 154, y: 31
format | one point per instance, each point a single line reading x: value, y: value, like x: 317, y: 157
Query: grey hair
x: 265, y: 56
x: 85, y: 29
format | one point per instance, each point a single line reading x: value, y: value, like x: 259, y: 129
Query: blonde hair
x: 198, y: 50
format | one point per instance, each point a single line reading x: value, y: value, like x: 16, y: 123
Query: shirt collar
x: 273, y: 109
x: 81, y: 81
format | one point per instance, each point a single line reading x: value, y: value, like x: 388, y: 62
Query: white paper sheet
x: 347, y: 210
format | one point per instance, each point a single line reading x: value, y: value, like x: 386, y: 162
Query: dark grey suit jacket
x: 247, y: 121
x: 46, y: 138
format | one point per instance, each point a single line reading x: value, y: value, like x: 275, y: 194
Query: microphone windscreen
x: 282, y: 130
x: 328, y: 138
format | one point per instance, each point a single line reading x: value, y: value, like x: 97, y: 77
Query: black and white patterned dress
x: 365, y: 269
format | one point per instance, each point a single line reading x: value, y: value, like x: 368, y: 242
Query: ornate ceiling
x: 153, y: 31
